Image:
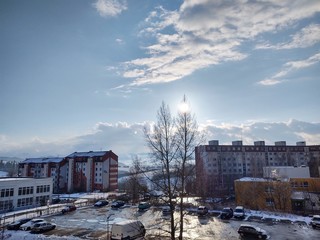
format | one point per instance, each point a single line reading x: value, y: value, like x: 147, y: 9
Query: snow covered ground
x: 17, y: 235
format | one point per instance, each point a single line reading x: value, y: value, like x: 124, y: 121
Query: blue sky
x: 88, y: 75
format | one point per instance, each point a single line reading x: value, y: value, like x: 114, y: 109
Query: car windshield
x: 316, y: 218
x: 238, y: 210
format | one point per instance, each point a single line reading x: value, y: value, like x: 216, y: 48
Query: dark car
x: 246, y: 230
x: 202, y: 210
x: 101, y: 203
x: 226, y: 213
x: 117, y: 204
x: 68, y: 208
x: 315, y: 221
x: 42, y: 227
x: 16, y: 224
x: 143, y: 206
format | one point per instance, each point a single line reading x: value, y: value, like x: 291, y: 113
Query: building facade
x: 91, y: 171
x: 56, y: 168
x: 77, y: 172
x: 296, y: 195
x: 21, y: 193
x: 218, y: 166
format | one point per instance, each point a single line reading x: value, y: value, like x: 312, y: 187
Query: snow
x: 17, y: 235
x: 3, y: 174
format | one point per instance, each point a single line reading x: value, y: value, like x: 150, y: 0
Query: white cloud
x: 127, y: 139
x: 290, y: 67
x: 203, y: 33
x: 110, y: 8
x: 306, y: 37
x: 269, y: 82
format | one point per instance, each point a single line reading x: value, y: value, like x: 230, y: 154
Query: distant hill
x: 11, y: 159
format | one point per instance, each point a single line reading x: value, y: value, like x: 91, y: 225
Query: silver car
x: 28, y: 225
x: 42, y: 227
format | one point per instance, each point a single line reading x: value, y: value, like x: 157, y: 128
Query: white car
x: 239, y: 212
x: 28, y: 225
x: 315, y: 221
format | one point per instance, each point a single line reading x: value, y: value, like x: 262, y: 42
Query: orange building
x: 298, y: 195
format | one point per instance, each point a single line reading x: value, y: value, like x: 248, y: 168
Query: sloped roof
x: 43, y: 160
x: 88, y: 154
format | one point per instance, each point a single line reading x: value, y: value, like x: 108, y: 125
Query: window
x: 305, y: 184
x: 269, y: 189
x: 269, y: 202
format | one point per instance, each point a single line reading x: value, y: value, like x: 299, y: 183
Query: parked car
x: 239, y: 212
x: 101, y: 203
x: 68, y: 208
x: 128, y: 229
x: 166, y: 210
x: 315, y: 221
x: 202, y: 210
x: 247, y: 230
x: 143, y: 206
x: 42, y: 227
x: 226, y: 213
x: 117, y: 204
x: 16, y: 224
x: 28, y: 225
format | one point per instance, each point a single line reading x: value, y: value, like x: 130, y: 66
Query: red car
x: 68, y: 208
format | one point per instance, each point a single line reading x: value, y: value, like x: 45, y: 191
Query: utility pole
x: 108, y: 225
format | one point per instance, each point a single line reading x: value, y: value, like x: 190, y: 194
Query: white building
x: 21, y: 193
x: 286, y: 172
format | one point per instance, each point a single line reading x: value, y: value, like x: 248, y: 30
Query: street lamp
x: 108, y: 225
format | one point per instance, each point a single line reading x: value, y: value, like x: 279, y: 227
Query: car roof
x: 247, y: 225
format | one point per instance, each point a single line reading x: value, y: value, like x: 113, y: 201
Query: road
x: 93, y: 223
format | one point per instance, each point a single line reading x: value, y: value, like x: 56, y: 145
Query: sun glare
x: 183, y: 107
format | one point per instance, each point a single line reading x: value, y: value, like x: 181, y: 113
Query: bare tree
x: 135, y: 184
x: 188, y: 138
x: 172, y: 143
x: 162, y: 144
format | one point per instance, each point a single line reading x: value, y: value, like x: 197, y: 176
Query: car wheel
x: 242, y: 234
x: 260, y: 236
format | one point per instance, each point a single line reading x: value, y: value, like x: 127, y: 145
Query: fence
x: 42, y: 211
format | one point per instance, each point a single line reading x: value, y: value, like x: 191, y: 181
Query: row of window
x: 25, y: 190
x: 6, y: 205
x: 299, y: 184
x: 25, y: 202
x: 240, y: 170
x: 42, y: 200
x: 43, y: 188
x: 6, y: 192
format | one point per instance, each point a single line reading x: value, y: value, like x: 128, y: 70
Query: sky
x: 82, y: 75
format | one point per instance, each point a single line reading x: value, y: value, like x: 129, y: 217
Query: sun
x: 183, y: 107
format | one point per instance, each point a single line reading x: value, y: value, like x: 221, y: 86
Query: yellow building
x: 298, y: 195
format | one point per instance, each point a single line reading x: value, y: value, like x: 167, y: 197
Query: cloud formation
x: 307, y: 37
x: 290, y: 67
x: 205, y: 33
x: 127, y: 140
x: 110, y: 8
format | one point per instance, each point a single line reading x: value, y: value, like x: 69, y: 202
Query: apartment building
x: 91, y: 171
x: 56, y: 168
x: 77, y: 172
x: 21, y: 193
x: 218, y: 166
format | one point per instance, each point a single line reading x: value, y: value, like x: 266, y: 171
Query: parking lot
x: 92, y: 223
